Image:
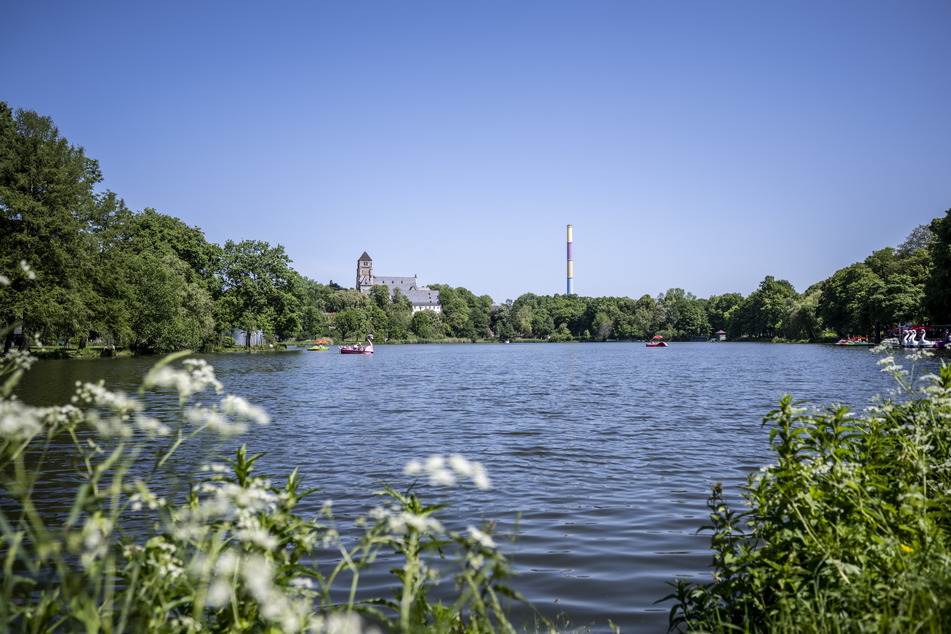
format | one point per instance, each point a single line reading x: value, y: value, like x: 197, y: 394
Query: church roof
x: 423, y: 297
x: 402, y: 283
x: 365, y: 257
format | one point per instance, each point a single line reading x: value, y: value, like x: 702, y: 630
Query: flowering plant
x: 848, y: 531
x: 121, y: 547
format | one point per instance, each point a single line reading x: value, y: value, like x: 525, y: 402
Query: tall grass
x: 229, y: 552
x: 847, y: 532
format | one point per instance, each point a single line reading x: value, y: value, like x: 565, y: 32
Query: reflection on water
x: 601, y: 455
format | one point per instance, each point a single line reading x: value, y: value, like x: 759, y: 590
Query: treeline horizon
x: 78, y: 265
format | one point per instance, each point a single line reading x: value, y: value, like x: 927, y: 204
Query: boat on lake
x: 321, y: 344
x: 358, y: 348
x: 854, y: 341
x: 918, y: 337
x: 657, y: 342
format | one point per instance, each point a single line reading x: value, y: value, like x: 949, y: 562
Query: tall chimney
x: 571, y: 270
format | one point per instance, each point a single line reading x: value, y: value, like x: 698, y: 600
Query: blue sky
x: 696, y: 144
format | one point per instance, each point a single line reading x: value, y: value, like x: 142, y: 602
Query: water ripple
x: 602, y: 455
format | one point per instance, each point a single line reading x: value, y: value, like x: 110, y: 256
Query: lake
x: 601, y: 455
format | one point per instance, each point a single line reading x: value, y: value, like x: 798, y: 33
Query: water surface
x: 601, y: 455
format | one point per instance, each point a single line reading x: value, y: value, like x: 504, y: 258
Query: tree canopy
x: 77, y: 264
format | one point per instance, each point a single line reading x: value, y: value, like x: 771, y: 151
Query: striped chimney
x: 571, y: 268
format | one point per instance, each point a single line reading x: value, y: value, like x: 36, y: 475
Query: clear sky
x: 699, y: 144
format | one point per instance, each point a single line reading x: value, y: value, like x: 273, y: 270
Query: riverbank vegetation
x: 848, y: 531
x: 84, y: 270
x: 127, y: 537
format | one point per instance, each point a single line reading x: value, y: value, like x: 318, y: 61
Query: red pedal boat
x: 359, y: 348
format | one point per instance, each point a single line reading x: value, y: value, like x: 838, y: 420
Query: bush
x: 227, y: 552
x: 846, y: 532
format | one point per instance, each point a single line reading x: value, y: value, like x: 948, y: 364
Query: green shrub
x: 846, y: 532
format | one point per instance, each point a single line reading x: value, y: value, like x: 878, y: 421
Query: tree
x: 181, y: 267
x: 342, y: 300
x: 352, y: 323
x: 169, y: 312
x: 851, y: 300
x: 259, y: 288
x: 459, y: 325
x: 603, y: 325
x: 568, y: 310
x: 425, y: 324
x: 720, y: 310
x: 380, y: 295
x: 938, y: 287
x: 802, y: 315
x: 903, y: 301
x: 159, y: 233
x: 692, y: 320
x: 313, y: 298
x: 642, y: 321
x: 762, y: 313
x: 501, y: 322
x: 46, y: 203
x: 399, y: 312
x: 463, y: 314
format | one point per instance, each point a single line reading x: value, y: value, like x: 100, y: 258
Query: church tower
x: 364, y: 273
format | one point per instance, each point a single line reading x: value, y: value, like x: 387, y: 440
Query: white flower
x: 302, y: 583
x: 444, y: 472
x: 461, y: 466
x: 259, y: 537
x: 422, y: 523
x: 94, y: 534
x: 97, y: 395
x: 19, y: 359
x: 485, y: 540
x: 198, y: 375
x: 444, y: 477
x: 152, y: 426
x: 335, y: 623
x: 19, y: 421
x: 242, y: 409
x: 214, y: 421
x: 219, y: 593
x: 480, y: 478
x: 920, y: 354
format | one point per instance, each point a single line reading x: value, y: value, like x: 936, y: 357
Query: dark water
x: 603, y: 453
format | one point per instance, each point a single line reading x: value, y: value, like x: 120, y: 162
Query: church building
x: 421, y: 297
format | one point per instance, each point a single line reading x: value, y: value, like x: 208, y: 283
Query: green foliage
x: 260, y: 291
x: 847, y: 531
x: 148, y: 282
x: 887, y: 289
x: 764, y: 312
x: 426, y: 324
x: 226, y: 552
x: 46, y: 202
x: 352, y: 323
x: 464, y: 315
x: 938, y: 296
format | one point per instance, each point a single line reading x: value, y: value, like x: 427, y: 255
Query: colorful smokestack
x: 571, y: 269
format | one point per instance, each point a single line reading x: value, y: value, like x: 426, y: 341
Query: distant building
x: 720, y: 335
x: 420, y: 297
x: 242, y: 338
